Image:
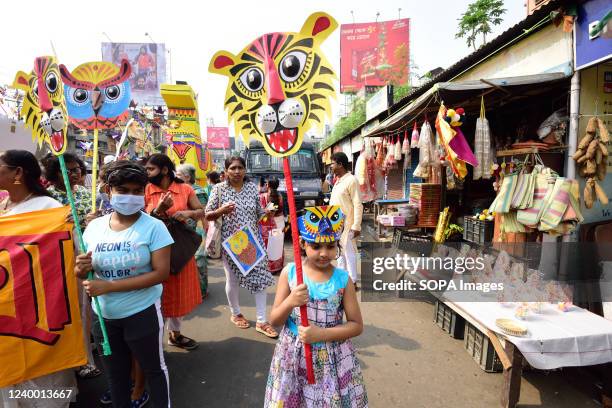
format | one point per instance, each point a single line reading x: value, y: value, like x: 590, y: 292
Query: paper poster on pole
x: 244, y: 249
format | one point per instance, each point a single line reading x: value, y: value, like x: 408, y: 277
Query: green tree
x: 479, y: 18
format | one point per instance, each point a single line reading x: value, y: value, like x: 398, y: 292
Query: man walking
x: 346, y: 194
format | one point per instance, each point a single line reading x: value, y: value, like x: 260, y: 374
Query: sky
x: 194, y: 31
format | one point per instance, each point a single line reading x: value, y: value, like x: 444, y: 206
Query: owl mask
x: 44, y: 108
x: 97, y: 94
x: 321, y: 224
x: 279, y: 85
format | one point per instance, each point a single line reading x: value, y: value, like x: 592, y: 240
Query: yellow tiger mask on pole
x: 279, y: 85
x: 44, y: 107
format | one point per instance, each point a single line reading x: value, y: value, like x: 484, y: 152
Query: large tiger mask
x: 279, y: 85
x: 44, y: 107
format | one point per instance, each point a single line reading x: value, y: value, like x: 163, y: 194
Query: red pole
x: 298, y: 262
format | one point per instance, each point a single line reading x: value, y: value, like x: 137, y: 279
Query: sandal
x: 240, y: 321
x: 182, y: 342
x: 266, y: 329
x: 88, y: 371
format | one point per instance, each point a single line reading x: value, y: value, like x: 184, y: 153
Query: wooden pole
x: 94, y: 171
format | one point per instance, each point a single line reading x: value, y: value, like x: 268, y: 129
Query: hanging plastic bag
x: 360, y: 170
x: 397, y: 151
x: 213, y: 239
x: 482, y: 146
x: 406, y: 143
x: 415, y: 137
x: 276, y: 240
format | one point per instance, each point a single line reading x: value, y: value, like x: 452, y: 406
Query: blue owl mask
x: 97, y: 94
x: 321, y: 224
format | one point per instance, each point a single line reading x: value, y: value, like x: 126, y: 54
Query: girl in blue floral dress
x: 329, y: 295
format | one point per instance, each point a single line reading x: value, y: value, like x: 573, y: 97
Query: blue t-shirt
x: 125, y: 254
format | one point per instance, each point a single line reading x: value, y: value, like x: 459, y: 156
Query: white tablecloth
x: 555, y: 339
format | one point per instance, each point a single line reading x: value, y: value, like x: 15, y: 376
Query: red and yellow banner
x: 40, y: 321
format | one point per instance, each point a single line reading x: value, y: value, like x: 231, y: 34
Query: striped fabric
x: 510, y: 224
x: 531, y: 216
x: 501, y: 204
x: 556, y: 205
x: 523, y: 192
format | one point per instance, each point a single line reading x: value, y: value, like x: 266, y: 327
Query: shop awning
x: 456, y: 92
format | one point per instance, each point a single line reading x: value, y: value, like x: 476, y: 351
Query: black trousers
x: 139, y: 335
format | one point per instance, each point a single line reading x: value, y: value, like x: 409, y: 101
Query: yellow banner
x: 40, y: 321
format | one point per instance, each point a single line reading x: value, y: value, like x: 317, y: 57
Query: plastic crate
x: 478, y: 231
x: 448, y: 320
x: 406, y: 241
x: 480, y: 348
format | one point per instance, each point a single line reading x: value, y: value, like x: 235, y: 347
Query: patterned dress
x: 248, y: 211
x: 339, y: 382
x: 82, y: 200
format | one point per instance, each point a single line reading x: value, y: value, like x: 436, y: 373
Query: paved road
x: 407, y: 362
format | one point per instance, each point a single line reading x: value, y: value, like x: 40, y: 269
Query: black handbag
x: 186, y: 244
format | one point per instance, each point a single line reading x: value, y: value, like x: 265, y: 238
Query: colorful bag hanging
x: 544, y: 183
x: 556, y: 205
x: 415, y: 137
x: 510, y: 223
x: 502, y: 201
x: 523, y: 192
x: 406, y: 143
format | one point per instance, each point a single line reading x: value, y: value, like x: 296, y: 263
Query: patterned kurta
x: 248, y: 211
x: 82, y: 200
x: 338, y: 379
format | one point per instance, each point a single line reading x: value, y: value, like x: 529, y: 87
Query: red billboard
x: 374, y: 54
x: 217, y: 137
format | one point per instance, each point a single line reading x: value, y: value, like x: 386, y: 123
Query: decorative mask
x: 321, y: 224
x: 44, y: 108
x: 279, y: 85
x: 97, y: 94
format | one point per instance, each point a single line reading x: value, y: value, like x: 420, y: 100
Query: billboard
x: 217, y: 137
x: 148, y: 62
x: 374, y: 54
x: 589, y: 51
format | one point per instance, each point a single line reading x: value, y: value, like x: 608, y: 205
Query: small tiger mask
x: 44, y: 107
x: 279, y: 85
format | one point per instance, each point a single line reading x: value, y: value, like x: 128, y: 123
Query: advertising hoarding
x: 148, y: 62
x: 374, y: 54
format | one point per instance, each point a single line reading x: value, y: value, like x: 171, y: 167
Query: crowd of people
x: 149, y: 210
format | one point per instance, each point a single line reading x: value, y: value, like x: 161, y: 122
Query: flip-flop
x: 266, y: 329
x: 240, y: 322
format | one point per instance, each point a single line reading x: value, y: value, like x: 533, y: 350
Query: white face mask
x: 127, y: 204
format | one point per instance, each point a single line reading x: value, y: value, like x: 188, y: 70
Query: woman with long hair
x: 167, y: 196
x: 236, y: 201
x: 20, y: 177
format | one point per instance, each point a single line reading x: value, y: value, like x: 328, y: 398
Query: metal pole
x: 572, y: 140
